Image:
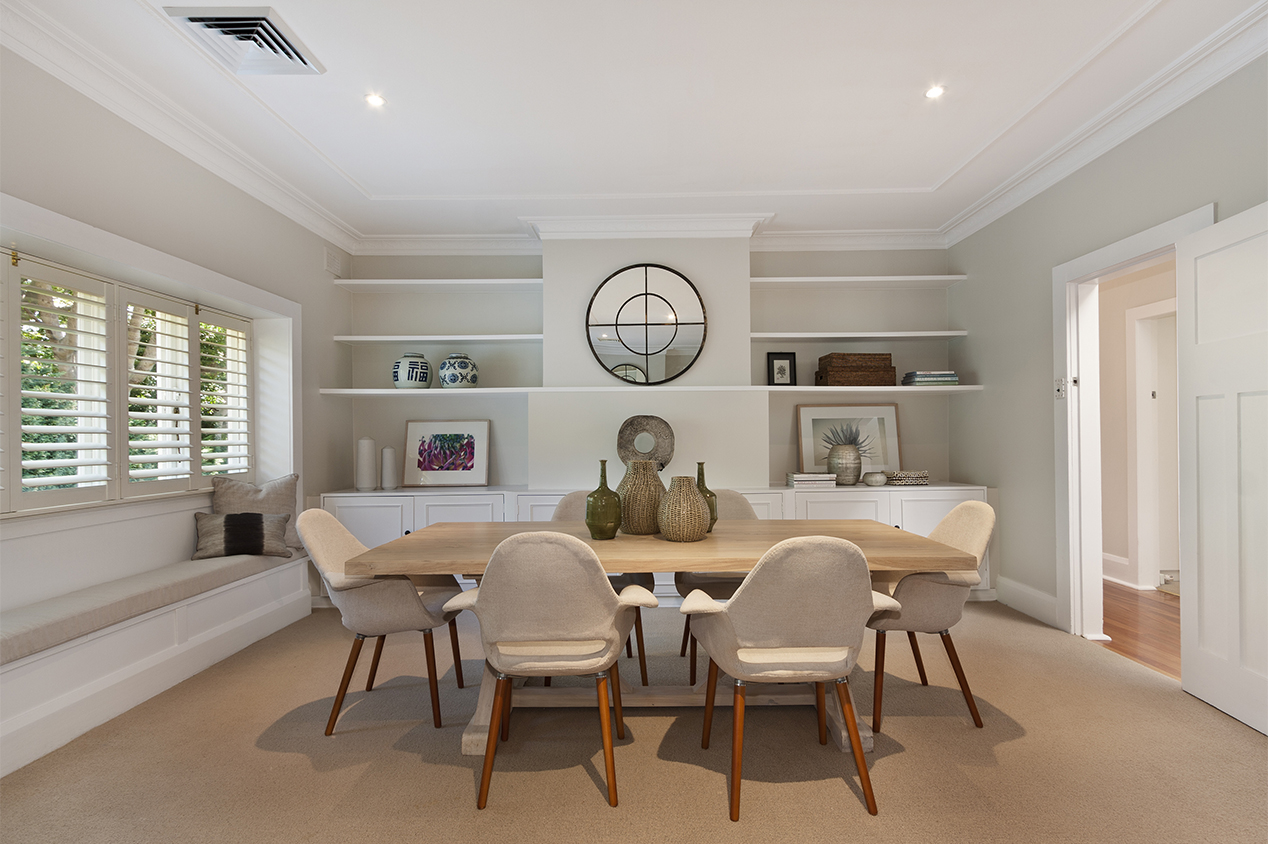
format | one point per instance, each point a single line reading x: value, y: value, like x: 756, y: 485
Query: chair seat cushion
x: 792, y: 665
x: 553, y: 658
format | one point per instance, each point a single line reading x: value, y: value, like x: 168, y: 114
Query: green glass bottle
x: 709, y: 496
x: 603, y: 508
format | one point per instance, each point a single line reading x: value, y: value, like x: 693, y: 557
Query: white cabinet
x: 372, y: 519
x: 768, y: 505
x: 536, y: 508
x: 854, y: 503
x: 438, y: 507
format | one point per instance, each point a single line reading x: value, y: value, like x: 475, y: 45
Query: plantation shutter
x: 65, y: 385
x: 224, y: 396
x: 157, y: 386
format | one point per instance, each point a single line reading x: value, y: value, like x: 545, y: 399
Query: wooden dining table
x: 464, y: 548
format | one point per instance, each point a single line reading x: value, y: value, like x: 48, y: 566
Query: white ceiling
x: 809, y: 115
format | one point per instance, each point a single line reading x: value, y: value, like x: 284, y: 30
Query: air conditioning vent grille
x: 248, y: 41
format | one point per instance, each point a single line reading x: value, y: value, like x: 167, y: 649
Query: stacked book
x: 841, y: 369
x: 930, y: 378
x: 812, y: 480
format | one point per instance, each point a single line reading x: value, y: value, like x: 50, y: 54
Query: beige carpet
x: 1080, y: 744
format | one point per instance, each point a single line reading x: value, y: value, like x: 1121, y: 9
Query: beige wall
x: 60, y: 151
x: 1116, y: 296
x: 1210, y: 150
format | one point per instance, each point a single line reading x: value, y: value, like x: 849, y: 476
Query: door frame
x: 1077, y: 414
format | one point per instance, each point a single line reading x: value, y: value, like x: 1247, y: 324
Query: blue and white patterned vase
x: 412, y: 371
x: 458, y: 370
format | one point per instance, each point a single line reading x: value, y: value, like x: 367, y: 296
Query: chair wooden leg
x: 959, y: 675
x: 920, y: 663
x: 642, y: 651
x: 686, y: 632
x: 629, y: 647
x: 490, y: 748
x: 710, y: 692
x: 822, y: 710
x: 457, y: 651
x: 605, y: 727
x: 546, y: 681
x: 878, y: 677
x: 506, y: 710
x: 692, y: 679
x: 429, y: 645
x: 737, y: 748
x: 615, y: 674
x: 374, y: 663
x: 343, y: 684
x: 856, y: 744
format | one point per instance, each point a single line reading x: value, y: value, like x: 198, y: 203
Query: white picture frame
x: 446, y: 453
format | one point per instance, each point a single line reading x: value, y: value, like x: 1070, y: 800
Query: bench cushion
x: 44, y: 624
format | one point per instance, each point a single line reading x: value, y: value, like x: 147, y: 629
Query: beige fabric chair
x: 572, y: 508
x: 546, y: 609
x: 378, y: 606
x: 718, y: 584
x: 933, y: 602
x: 798, y: 617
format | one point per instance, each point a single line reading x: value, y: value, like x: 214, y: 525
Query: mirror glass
x: 646, y: 324
x: 644, y: 443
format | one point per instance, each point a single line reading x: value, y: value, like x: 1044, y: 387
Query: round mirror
x: 646, y: 324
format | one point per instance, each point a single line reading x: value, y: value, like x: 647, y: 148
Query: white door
x: 1222, y: 350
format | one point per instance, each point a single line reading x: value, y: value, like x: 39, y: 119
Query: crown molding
x: 46, y: 44
x: 451, y: 244
x: 847, y: 241
x: 619, y: 227
x: 1230, y: 49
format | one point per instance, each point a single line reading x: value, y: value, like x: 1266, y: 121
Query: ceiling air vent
x: 249, y: 40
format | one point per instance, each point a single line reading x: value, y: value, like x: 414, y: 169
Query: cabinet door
x: 769, y: 505
x: 535, y: 508
x: 861, y: 503
x: 373, y: 519
x: 429, y: 509
x: 919, y: 511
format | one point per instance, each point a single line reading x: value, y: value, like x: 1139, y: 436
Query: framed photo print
x: 447, y: 453
x: 873, y: 428
x: 781, y: 369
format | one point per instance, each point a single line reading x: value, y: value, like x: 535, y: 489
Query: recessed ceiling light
x: 935, y: 92
x: 374, y: 100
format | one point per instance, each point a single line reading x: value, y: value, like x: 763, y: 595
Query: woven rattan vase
x: 684, y: 512
x: 640, y: 492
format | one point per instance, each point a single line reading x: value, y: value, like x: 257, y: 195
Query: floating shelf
x: 368, y: 339
x: 874, y: 282
x: 617, y: 388
x: 440, y: 285
x: 815, y: 336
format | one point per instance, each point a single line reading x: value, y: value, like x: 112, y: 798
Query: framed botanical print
x: 447, y: 453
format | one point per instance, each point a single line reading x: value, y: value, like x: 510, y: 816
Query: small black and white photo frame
x: 781, y: 369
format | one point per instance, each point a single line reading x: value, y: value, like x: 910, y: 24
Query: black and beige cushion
x: 240, y: 533
x: 230, y: 495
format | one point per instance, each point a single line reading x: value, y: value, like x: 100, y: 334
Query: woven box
x: 848, y: 377
x: 847, y: 360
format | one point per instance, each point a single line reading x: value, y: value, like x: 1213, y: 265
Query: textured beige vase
x: 846, y: 463
x: 640, y: 491
x: 684, y: 512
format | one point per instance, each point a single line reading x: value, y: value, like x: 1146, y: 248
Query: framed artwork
x: 447, y: 453
x: 781, y: 369
x: 873, y: 428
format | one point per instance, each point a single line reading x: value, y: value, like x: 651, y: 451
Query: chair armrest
x: 463, y: 601
x: 699, y: 603
x: 637, y: 596
x: 880, y: 602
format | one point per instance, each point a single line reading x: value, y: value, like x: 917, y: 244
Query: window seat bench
x: 74, y: 661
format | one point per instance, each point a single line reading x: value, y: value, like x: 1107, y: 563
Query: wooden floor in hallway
x: 1144, y: 626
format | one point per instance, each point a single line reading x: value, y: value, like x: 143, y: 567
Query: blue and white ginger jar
x: 412, y: 371
x: 458, y: 370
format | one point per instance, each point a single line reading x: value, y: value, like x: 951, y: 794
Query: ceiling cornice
x: 624, y: 226
x: 1240, y: 42
x: 78, y: 64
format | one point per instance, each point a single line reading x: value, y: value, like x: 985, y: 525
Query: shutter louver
x: 158, y: 398
x: 65, y: 386
x: 225, y: 425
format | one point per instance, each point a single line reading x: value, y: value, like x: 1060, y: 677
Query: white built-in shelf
x: 440, y: 285
x: 367, y: 339
x: 815, y: 336
x: 874, y: 282
x: 617, y: 388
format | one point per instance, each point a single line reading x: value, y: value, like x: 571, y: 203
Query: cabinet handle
x: 407, y: 533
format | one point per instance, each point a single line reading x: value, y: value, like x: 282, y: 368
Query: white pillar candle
x: 391, y: 468
x: 367, y: 465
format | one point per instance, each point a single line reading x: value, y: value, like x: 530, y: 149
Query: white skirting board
x: 51, y: 697
x: 1028, y: 600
